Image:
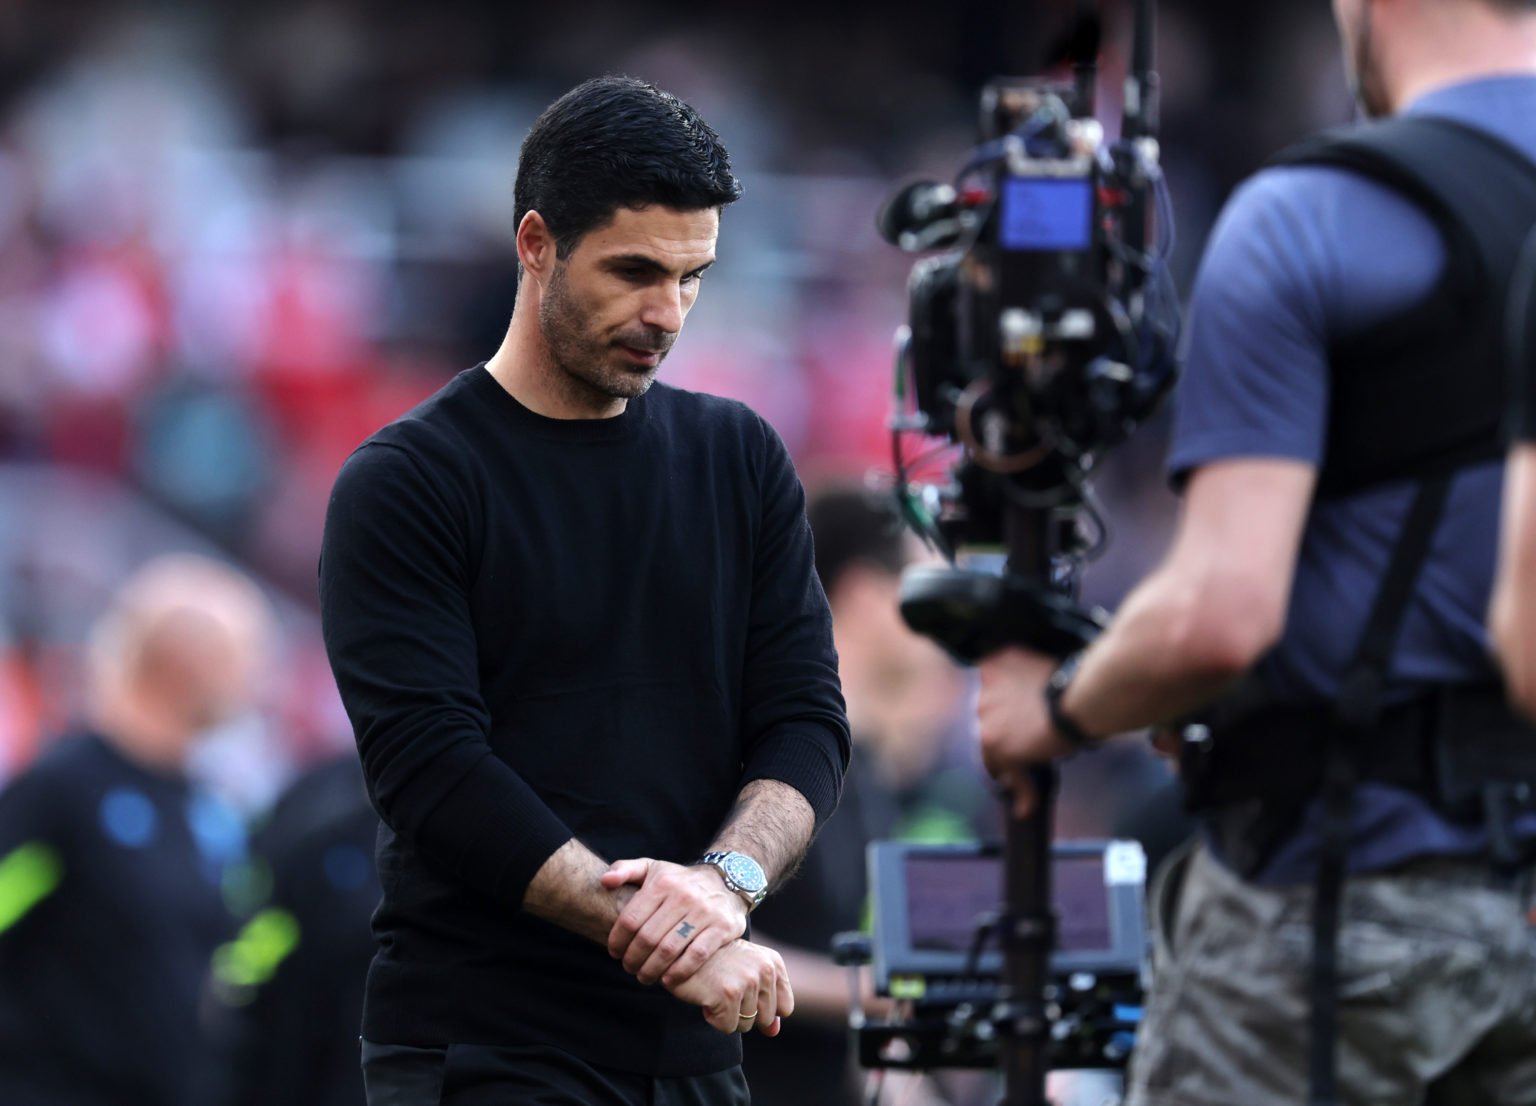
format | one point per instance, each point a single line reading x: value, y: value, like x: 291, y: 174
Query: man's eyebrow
x: 640, y: 260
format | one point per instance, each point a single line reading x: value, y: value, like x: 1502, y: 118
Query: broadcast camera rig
x: 1040, y: 337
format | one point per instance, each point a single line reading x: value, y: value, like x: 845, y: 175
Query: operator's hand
x: 742, y: 987
x: 1016, y: 730
x: 680, y: 917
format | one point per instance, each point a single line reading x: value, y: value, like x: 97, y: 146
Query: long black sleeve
x: 786, y: 731
x: 394, y: 601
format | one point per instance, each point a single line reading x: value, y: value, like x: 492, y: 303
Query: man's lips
x: 650, y: 357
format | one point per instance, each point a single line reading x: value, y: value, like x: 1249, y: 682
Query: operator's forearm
x: 1512, y: 611
x: 1211, y: 610
x: 1151, y: 666
x: 773, y: 824
x: 566, y: 891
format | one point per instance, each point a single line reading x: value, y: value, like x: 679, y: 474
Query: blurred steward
x: 112, y: 863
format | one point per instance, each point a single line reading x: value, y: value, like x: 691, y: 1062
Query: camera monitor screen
x: 1047, y: 213
x: 929, y: 898
x: 946, y: 894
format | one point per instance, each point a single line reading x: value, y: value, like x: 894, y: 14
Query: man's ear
x: 535, y: 245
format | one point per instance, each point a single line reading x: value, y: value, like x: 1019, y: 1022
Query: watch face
x: 744, y: 872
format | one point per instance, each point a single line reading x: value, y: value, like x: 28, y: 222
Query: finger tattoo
x: 685, y: 930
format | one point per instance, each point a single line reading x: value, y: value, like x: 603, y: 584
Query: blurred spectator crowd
x: 236, y: 238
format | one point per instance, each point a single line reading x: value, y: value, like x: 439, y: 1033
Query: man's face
x: 612, y: 309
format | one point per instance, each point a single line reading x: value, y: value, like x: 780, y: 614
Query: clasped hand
x: 683, y: 928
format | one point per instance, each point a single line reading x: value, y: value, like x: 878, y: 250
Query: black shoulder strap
x: 1425, y: 392
x: 1357, y: 709
x: 1359, y: 702
x: 1521, y: 344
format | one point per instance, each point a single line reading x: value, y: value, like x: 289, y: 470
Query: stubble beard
x: 588, y: 367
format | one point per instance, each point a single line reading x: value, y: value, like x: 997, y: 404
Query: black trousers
x: 486, y: 1075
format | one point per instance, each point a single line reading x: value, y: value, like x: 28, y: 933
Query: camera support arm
x: 973, y: 614
x: 1029, y: 922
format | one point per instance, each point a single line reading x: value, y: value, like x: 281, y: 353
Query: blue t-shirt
x: 1301, y: 257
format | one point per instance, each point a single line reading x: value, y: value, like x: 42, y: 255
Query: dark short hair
x: 850, y: 526
x: 612, y: 142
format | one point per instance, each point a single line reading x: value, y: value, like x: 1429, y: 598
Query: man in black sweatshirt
x: 574, y: 620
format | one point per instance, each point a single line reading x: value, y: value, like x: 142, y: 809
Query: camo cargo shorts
x: 1437, y: 1000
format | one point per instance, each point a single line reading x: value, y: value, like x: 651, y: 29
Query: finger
x: 621, y: 872
x: 993, y: 761
x: 683, y: 936
x: 1023, y: 793
x: 697, y: 953
x: 658, y: 927
x: 644, y: 942
x: 785, y: 1000
x: 725, y: 1017
x: 631, y: 920
x: 990, y: 763
x: 770, y: 1029
x: 767, y: 999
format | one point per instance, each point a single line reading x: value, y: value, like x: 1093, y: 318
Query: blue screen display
x: 1047, y: 214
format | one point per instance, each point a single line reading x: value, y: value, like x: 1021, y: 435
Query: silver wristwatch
x: 741, y: 873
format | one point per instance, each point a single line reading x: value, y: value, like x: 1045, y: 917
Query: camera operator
x: 1340, y: 406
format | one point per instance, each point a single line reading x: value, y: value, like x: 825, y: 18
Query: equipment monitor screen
x: 930, y: 898
x: 1047, y: 213
x: 946, y: 894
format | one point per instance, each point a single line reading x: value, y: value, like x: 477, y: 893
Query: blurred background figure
x: 112, y: 864
x: 911, y: 777
x: 286, y: 998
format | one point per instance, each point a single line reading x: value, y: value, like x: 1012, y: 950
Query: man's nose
x: 664, y: 309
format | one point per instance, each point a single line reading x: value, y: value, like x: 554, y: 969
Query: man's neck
x: 523, y: 367
x: 1466, y: 43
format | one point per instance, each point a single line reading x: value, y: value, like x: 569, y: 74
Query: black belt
x: 1461, y: 748
x: 1446, y: 745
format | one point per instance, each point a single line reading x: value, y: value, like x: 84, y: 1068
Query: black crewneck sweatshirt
x: 547, y: 628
